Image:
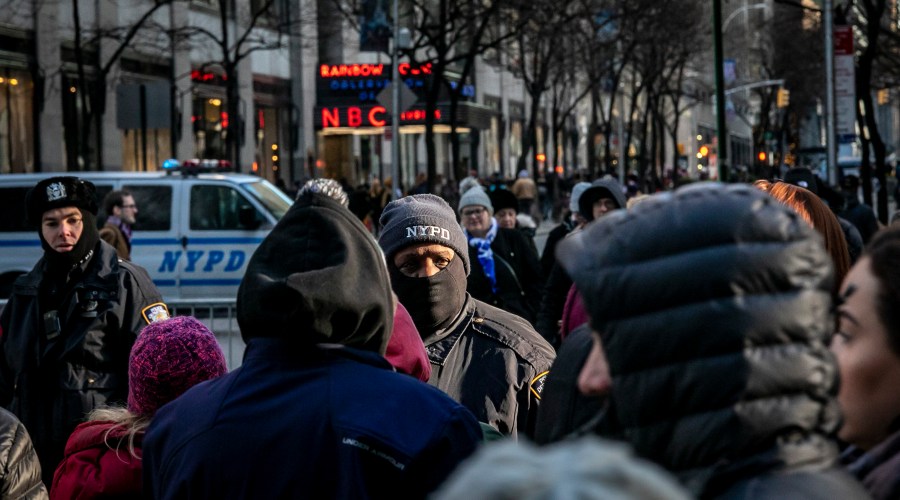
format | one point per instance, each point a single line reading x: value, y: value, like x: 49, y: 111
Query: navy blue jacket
x: 325, y: 422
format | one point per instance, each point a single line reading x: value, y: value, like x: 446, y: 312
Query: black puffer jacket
x: 714, y: 308
x: 20, y: 470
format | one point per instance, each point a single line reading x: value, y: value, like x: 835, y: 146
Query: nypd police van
x: 194, y: 233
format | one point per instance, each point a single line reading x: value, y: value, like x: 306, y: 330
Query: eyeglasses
x: 129, y: 206
x: 473, y: 212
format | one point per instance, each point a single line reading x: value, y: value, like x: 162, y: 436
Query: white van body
x: 194, y: 234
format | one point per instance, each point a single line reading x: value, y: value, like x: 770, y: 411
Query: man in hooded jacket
x: 490, y: 360
x: 67, y: 330
x: 713, y: 306
x: 314, y: 411
x: 602, y: 197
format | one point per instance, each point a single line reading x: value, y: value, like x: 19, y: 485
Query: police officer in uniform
x: 68, y: 327
x: 490, y: 360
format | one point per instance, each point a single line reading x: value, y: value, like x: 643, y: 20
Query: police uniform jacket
x: 53, y: 373
x: 494, y: 363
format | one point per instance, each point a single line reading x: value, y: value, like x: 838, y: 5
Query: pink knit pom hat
x: 168, y: 358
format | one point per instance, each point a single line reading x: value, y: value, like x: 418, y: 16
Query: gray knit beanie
x: 422, y: 218
x: 476, y: 197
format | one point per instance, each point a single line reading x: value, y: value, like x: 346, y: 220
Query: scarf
x: 485, y: 254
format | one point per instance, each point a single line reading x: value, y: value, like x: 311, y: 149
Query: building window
x: 16, y: 121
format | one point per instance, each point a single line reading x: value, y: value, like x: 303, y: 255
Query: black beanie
x: 58, y: 192
x: 421, y: 218
x: 503, y: 198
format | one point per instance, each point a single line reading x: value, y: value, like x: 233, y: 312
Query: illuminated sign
x: 207, y: 77
x: 353, y: 116
x: 352, y: 70
x: 418, y: 115
x: 367, y: 116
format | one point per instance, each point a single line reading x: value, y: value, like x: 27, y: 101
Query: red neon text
x: 343, y: 70
x: 415, y: 115
x: 405, y: 69
x: 374, y: 117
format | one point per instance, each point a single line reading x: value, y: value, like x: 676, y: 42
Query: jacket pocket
x: 82, y: 390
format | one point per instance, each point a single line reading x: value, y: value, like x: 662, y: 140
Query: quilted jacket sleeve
x: 20, y: 470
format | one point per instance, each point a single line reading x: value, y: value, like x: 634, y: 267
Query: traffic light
x: 884, y: 96
x: 783, y: 99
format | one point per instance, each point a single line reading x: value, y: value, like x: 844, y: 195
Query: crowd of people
x: 714, y: 341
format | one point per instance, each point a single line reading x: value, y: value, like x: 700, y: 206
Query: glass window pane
x: 154, y: 205
x: 219, y: 208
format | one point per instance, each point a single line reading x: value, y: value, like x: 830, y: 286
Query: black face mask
x: 90, y: 235
x: 433, y: 302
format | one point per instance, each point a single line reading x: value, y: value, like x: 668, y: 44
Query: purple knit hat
x: 168, y: 358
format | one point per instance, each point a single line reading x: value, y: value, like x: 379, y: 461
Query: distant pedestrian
x: 103, y: 455
x: 858, y: 213
x: 121, y: 214
x: 713, y: 306
x: 526, y: 192
x: 314, y: 411
x: 429, y: 264
x: 602, y: 197
x: 506, y: 271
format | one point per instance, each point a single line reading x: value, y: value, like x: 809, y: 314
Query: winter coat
x: 518, y: 273
x: 111, y: 234
x: 878, y: 469
x: 20, y: 470
x: 51, y: 385
x: 307, y: 422
x: 99, y: 464
x: 503, y: 388
x: 564, y: 411
x: 314, y: 411
x: 713, y: 304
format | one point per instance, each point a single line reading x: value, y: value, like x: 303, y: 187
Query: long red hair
x: 815, y: 212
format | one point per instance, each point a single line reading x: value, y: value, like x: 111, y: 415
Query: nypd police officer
x: 68, y: 327
x: 490, y: 360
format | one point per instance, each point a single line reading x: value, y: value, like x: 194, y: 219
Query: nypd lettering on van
x: 194, y: 234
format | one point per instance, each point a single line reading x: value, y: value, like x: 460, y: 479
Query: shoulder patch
x: 155, y: 312
x: 537, y: 384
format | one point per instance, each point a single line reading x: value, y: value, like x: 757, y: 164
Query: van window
x: 218, y: 208
x: 154, y: 207
x: 270, y: 196
x: 12, y: 206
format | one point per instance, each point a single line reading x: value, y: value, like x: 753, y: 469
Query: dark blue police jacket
x: 312, y: 422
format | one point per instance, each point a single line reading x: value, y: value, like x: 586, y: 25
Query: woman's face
x: 870, y: 369
x: 476, y: 219
x: 506, y: 217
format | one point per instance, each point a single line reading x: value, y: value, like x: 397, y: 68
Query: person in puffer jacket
x: 713, y: 305
x: 20, y: 470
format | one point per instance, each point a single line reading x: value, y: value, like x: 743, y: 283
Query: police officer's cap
x: 58, y: 192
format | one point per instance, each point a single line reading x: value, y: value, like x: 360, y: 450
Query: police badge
x: 56, y: 191
x: 155, y: 312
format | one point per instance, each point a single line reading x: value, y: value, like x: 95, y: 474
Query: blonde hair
x: 123, y: 420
